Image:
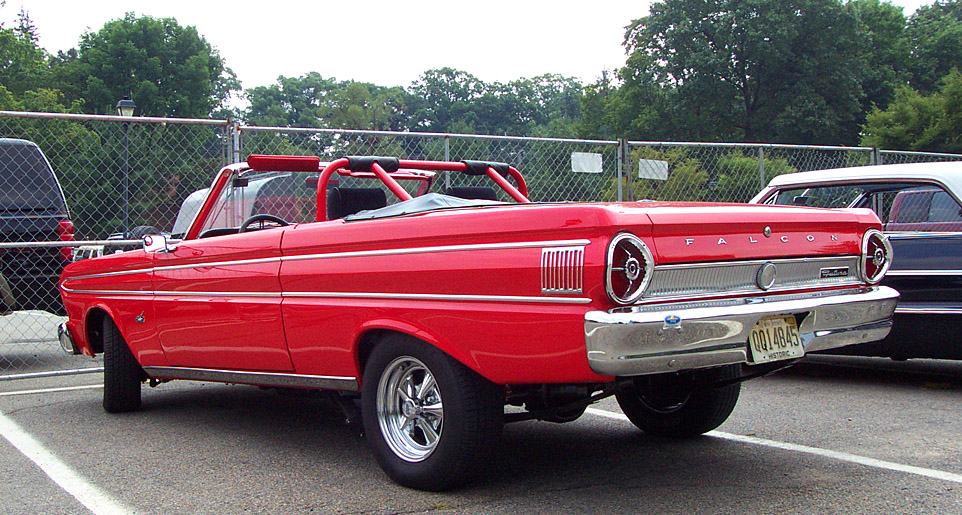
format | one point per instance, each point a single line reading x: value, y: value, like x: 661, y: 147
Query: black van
x: 32, y: 208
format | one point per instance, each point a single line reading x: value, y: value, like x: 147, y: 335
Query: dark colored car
x: 921, y: 213
x: 32, y: 209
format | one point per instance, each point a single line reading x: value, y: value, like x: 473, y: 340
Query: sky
x: 388, y: 43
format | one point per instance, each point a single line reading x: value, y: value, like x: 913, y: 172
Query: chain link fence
x: 122, y: 176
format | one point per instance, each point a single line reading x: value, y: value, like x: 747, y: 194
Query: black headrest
x: 347, y: 201
x: 472, y: 192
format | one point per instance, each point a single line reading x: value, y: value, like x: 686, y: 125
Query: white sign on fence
x: 586, y: 162
x: 651, y: 169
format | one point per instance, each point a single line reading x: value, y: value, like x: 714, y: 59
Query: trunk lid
x: 698, y: 232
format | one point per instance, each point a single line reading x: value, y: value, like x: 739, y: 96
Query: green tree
x: 23, y: 64
x: 313, y: 101
x: 884, y: 47
x: 291, y: 102
x: 928, y: 123
x: 358, y: 105
x: 449, y: 100
x: 738, y: 176
x: 167, y: 69
x: 443, y: 98
x: 762, y: 70
x: 935, y: 35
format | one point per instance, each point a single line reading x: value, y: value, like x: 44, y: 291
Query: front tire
x: 122, y: 374
x: 431, y: 422
x: 680, y: 405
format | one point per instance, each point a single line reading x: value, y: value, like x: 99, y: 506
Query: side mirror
x: 157, y: 243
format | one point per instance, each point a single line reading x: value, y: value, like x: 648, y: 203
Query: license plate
x: 774, y: 339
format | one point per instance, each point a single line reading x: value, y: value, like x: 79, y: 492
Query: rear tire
x: 680, y: 405
x: 431, y: 421
x: 122, y: 374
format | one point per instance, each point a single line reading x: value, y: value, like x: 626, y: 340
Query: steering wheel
x: 263, y: 217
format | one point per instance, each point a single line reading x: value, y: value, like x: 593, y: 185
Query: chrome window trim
x: 910, y: 273
x: 921, y: 235
x: 332, y: 255
x: 258, y: 378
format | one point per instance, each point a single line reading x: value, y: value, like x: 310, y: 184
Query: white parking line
x: 825, y: 453
x: 66, y: 478
x: 51, y: 390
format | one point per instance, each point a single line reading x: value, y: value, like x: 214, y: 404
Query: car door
x: 924, y: 225
x: 218, y: 303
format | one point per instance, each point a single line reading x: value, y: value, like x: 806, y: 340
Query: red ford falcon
x: 436, y: 311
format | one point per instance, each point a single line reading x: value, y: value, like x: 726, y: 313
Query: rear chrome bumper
x: 678, y: 336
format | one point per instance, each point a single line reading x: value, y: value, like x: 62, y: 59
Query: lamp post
x: 125, y: 108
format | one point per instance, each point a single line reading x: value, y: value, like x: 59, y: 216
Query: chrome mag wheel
x: 409, y: 409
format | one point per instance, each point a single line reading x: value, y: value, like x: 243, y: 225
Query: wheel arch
x: 93, y: 327
x: 371, y: 334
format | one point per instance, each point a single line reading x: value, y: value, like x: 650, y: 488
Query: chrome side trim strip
x: 418, y: 296
x: 288, y: 380
x: 272, y: 295
x: 905, y: 273
x: 441, y: 248
x: 108, y: 292
x: 346, y: 295
x: 360, y: 253
x: 113, y: 274
x: 217, y: 264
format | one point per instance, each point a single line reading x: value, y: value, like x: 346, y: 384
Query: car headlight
x: 628, y: 269
x: 876, y: 256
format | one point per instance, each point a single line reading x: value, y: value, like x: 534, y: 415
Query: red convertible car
x: 444, y: 315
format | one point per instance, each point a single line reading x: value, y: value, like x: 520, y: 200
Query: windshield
x: 290, y: 196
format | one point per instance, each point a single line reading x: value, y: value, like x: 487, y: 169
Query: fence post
x: 876, y: 156
x: 622, y: 152
x: 761, y: 168
x: 236, y: 139
x: 447, y: 157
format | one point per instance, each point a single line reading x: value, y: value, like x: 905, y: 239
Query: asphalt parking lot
x: 831, y: 435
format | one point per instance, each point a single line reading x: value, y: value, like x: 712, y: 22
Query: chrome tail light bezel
x: 639, y: 264
x: 875, y: 247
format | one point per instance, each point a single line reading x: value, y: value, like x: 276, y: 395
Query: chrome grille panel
x: 671, y: 281
x: 562, y: 270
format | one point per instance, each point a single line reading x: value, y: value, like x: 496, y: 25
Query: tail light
x: 628, y: 270
x: 66, y: 234
x: 876, y: 256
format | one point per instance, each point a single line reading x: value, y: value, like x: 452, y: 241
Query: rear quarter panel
x: 468, y: 282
